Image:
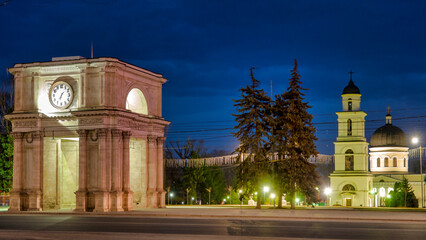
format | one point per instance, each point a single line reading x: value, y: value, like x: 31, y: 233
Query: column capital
x: 82, y: 133
x: 17, y: 135
x: 102, y: 132
x: 151, y: 138
x: 160, y: 140
x: 116, y: 133
x: 127, y: 134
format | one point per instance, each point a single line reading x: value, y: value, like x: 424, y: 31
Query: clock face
x: 61, y: 95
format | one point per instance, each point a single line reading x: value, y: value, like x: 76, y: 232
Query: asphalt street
x: 134, y: 227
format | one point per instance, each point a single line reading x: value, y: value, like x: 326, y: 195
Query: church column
x: 160, y: 173
x: 127, y: 192
x: 116, y: 165
x: 152, y: 172
x: 15, y: 194
x: 81, y: 194
x: 34, y: 194
x: 101, y: 195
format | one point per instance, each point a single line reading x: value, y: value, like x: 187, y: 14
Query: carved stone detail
x: 160, y: 140
x: 17, y: 135
x: 25, y: 124
x: 90, y: 121
x: 116, y: 133
x: 82, y: 133
x: 93, y: 135
x: 127, y: 134
x: 29, y: 137
x: 151, y: 138
x: 102, y: 132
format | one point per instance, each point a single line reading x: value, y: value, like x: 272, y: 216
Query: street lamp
x: 265, y: 190
x: 415, y: 141
x: 171, y: 196
x: 239, y: 193
x: 192, y: 199
x: 327, y: 192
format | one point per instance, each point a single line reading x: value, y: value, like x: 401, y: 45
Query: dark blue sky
x: 205, y: 49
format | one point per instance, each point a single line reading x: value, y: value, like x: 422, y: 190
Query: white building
x: 354, y: 183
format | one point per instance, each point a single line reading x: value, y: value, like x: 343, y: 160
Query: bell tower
x: 351, y: 180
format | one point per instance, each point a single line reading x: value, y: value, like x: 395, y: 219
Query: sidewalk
x: 319, y: 213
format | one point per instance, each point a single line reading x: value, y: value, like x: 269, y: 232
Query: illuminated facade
x: 351, y: 181
x: 88, y: 135
x: 354, y: 182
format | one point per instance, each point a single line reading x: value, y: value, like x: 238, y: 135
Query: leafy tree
x: 402, y: 195
x: 6, y: 162
x: 294, y: 137
x: 253, y: 130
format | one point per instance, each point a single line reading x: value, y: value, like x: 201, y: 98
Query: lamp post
x: 171, y: 196
x: 273, y: 197
x: 239, y: 193
x: 415, y: 141
x: 265, y: 190
x: 327, y: 192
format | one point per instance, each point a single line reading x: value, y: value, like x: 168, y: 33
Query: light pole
x: 327, y: 192
x: 265, y: 190
x: 239, y: 193
x: 171, y: 196
x: 273, y: 197
x: 415, y: 141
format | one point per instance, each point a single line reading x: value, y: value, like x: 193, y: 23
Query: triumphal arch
x: 88, y: 135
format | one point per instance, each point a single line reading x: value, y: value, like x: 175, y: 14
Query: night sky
x: 206, y: 48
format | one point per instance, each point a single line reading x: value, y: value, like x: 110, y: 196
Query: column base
x: 128, y: 200
x: 101, y: 201
x: 34, y: 201
x: 152, y: 199
x: 161, y: 198
x: 81, y: 201
x: 116, y: 198
x: 15, y: 204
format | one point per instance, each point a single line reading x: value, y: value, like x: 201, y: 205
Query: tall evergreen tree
x: 294, y: 137
x: 253, y: 130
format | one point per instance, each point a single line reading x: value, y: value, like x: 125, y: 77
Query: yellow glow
x: 136, y: 102
x: 382, y: 192
x: 266, y: 189
x: 272, y: 195
x: 415, y: 140
x: 327, y: 191
x: 255, y: 193
x: 240, y: 191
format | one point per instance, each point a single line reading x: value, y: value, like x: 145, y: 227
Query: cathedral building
x: 364, y: 175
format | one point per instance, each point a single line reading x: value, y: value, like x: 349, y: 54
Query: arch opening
x: 136, y: 102
x: 349, y: 160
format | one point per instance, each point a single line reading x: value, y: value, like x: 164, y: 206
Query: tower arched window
x: 386, y: 162
x: 348, y: 188
x: 349, y: 127
x: 395, y: 162
x: 378, y: 162
x: 405, y: 162
x: 349, y: 104
x: 349, y: 160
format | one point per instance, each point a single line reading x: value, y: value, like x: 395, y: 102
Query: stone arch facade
x: 80, y: 157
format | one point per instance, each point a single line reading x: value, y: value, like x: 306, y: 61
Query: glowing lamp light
x: 171, y: 194
x: 266, y: 189
x: 297, y: 200
x: 389, y: 196
x: 415, y: 140
x: 227, y: 197
x: 240, y: 191
x: 224, y: 199
x: 327, y: 191
x: 255, y: 193
x: 192, y: 198
x: 272, y: 195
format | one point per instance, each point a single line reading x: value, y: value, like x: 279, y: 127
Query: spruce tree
x: 294, y: 137
x: 253, y: 112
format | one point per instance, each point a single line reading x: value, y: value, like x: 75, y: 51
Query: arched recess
x: 349, y: 160
x: 348, y: 188
x: 136, y: 102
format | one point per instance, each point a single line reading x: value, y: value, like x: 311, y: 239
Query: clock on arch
x: 61, y: 95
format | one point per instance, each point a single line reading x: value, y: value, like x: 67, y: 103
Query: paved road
x: 124, y: 227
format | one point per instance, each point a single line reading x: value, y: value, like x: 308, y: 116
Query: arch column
x: 127, y: 192
x: 35, y: 193
x: 160, y: 173
x: 15, y: 194
x: 116, y: 171
x: 152, y: 172
x: 101, y: 194
x: 81, y: 194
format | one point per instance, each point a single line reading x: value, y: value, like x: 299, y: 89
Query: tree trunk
x: 280, y: 198
x: 259, y: 199
x: 292, y: 196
